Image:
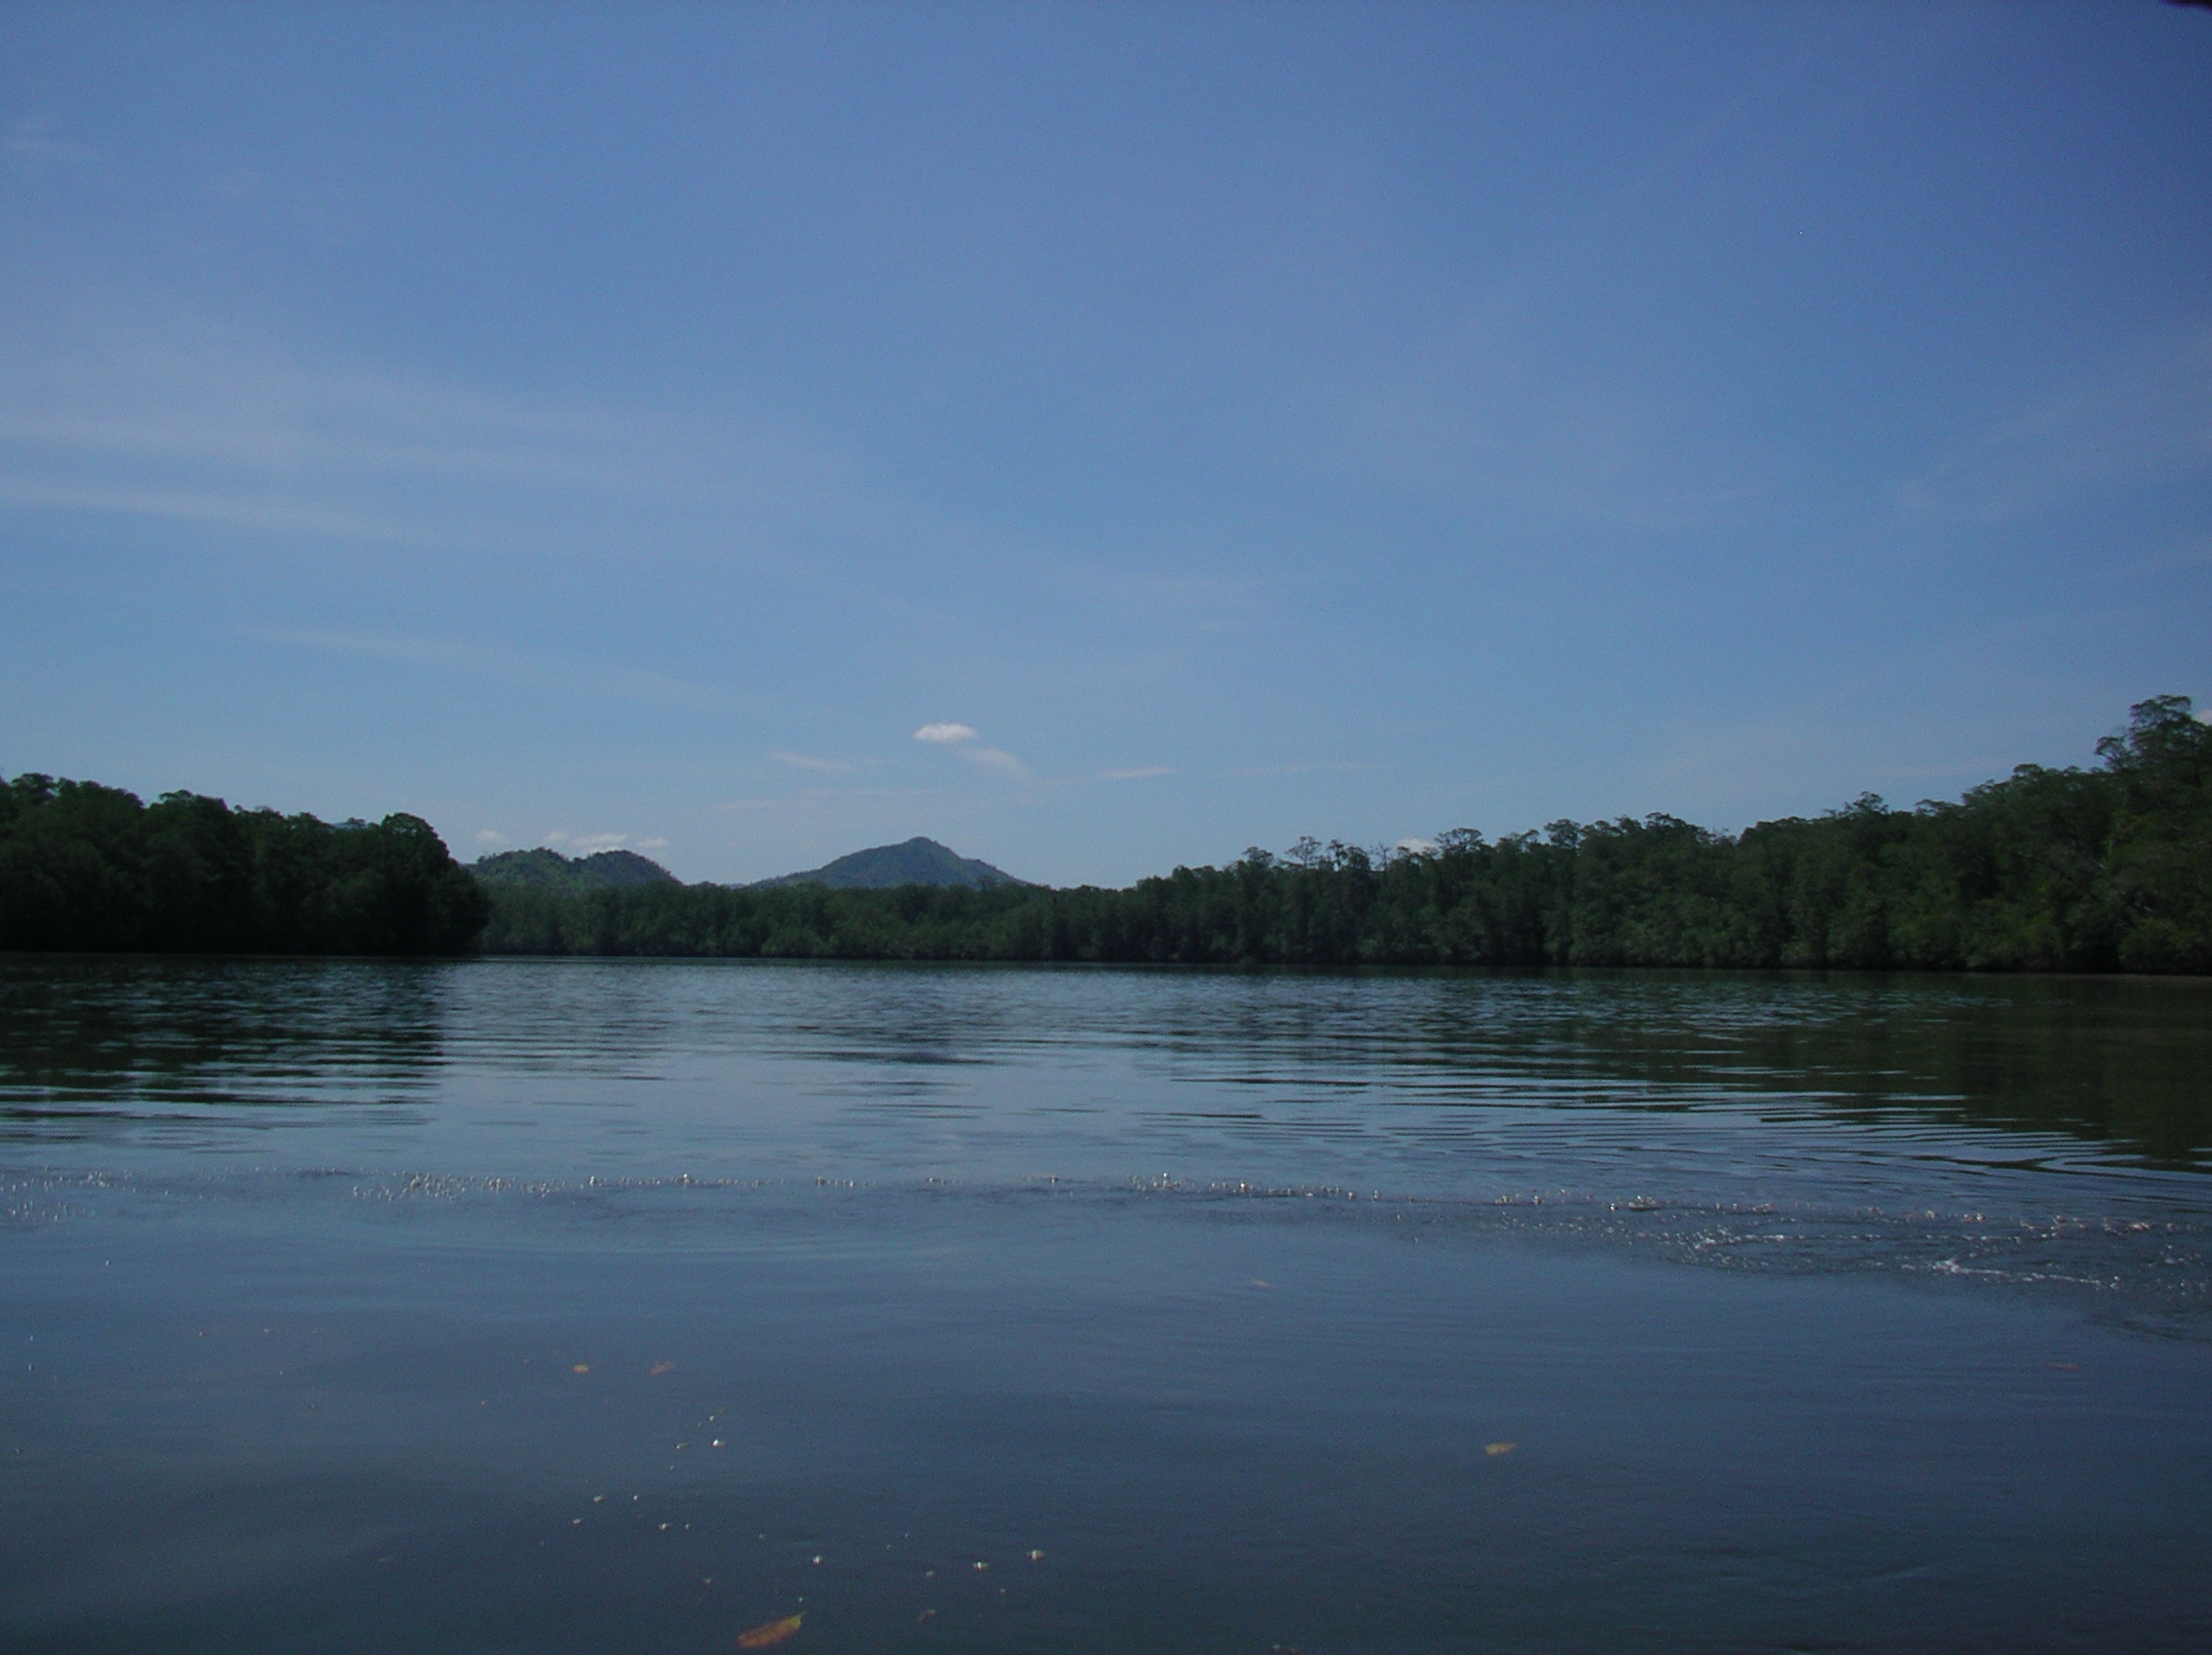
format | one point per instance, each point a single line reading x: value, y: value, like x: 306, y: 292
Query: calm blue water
x: 626, y: 1306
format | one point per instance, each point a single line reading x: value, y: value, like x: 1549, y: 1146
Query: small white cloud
x: 1299, y: 769
x: 487, y: 837
x: 27, y: 141
x: 653, y: 844
x: 556, y: 838
x: 808, y: 761
x: 1418, y: 847
x: 945, y: 733
x: 992, y: 759
x: 1136, y: 775
x: 590, y: 842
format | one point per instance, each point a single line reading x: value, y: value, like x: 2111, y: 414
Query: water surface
x: 586, y: 1305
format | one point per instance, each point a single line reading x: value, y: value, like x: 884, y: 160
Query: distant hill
x: 918, y: 862
x: 550, y: 870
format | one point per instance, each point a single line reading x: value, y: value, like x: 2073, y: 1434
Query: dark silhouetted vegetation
x: 2097, y: 870
x: 2105, y: 869
x: 87, y: 867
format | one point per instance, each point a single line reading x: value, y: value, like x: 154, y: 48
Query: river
x: 629, y: 1305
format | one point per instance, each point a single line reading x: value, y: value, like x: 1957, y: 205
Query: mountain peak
x: 913, y: 862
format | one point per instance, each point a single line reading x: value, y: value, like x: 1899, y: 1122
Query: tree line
x: 2070, y: 869
x: 87, y: 867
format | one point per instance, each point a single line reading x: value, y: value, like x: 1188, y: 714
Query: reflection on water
x: 2118, y: 1066
x: 2049, y: 1131
x: 591, y: 1305
x: 133, y: 1039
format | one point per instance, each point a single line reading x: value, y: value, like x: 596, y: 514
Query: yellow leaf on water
x: 581, y: 1368
x: 659, y: 1368
x: 1495, y: 1448
x: 769, y: 1632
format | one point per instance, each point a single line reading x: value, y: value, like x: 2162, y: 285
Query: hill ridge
x: 918, y: 861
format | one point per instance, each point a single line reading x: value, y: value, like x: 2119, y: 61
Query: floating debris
x: 926, y: 1615
x: 1494, y: 1449
x: 769, y: 1632
x: 581, y: 1368
x: 659, y: 1368
x: 1035, y: 1556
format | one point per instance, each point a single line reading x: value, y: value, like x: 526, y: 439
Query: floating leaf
x: 581, y: 1368
x: 1494, y: 1449
x: 659, y: 1368
x: 769, y: 1632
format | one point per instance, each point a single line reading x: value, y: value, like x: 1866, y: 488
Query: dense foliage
x: 89, y: 867
x: 2046, y: 870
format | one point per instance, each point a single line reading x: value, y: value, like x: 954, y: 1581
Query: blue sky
x: 612, y: 424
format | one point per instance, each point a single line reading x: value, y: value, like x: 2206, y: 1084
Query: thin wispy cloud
x: 134, y: 403
x: 585, y: 844
x: 511, y: 666
x: 490, y: 837
x: 945, y: 733
x: 1259, y: 770
x: 1138, y: 775
x: 2146, y: 419
x: 812, y: 798
x: 27, y: 143
x: 809, y: 762
x: 995, y: 760
x: 239, y: 510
